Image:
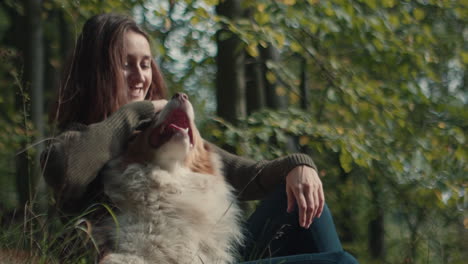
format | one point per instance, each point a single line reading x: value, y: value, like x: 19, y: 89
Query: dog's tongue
x: 174, y: 128
x: 176, y: 122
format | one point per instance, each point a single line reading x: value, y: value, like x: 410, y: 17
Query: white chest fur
x: 172, y: 217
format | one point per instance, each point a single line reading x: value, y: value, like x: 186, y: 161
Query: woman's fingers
x: 316, y: 203
x: 159, y: 104
x: 321, y: 202
x: 310, y: 210
x: 304, y: 186
x: 300, y: 196
x: 291, y: 199
x: 302, y: 205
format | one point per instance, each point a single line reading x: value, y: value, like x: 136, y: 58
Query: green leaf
x: 464, y: 56
x: 296, y: 47
x: 280, y: 39
x: 419, y: 14
x: 289, y: 2
x: 271, y: 77
x: 346, y: 160
x: 262, y: 18
x: 252, y: 49
x: 388, y: 3
x: 211, y: 2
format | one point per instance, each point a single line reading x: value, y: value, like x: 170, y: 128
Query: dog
x: 174, y: 204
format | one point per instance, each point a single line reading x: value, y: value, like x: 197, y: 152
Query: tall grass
x: 51, y: 237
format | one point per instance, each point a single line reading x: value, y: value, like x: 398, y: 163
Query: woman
x: 112, y: 87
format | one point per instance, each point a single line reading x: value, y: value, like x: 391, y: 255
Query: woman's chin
x: 135, y: 99
x: 136, y: 96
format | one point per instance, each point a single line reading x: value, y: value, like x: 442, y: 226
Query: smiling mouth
x: 176, y: 122
x: 135, y: 91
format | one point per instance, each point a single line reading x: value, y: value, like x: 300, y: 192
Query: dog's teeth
x: 186, y: 130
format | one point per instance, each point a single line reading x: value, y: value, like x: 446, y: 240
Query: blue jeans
x: 340, y: 257
x: 274, y: 236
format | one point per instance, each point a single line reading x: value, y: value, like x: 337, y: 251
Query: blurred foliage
x: 386, y: 118
x: 386, y: 121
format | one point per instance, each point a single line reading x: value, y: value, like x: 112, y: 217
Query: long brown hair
x: 93, y: 85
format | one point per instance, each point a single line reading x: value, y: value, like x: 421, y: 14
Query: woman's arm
x: 253, y: 180
x: 74, y: 158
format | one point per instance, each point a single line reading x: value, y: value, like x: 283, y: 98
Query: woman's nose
x: 137, y: 75
x: 180, y: 96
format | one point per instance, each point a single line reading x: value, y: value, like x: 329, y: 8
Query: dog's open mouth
x: 176, y: 122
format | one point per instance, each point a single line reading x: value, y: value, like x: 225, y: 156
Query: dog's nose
x: 180, y: 96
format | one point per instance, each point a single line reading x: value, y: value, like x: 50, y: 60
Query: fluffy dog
x: 174, y: 204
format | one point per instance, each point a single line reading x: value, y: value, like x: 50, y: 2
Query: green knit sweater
x: 73, y: 161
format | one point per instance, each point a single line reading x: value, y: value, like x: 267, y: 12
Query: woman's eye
x: 146, y: 66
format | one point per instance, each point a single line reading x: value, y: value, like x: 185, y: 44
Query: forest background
x: 375, y: 91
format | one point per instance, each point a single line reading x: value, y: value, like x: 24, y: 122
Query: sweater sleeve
x: 74, y: 158
x: 254, y: 180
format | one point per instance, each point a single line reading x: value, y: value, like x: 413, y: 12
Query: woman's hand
x: 159, y: 104
x: 304, y: 187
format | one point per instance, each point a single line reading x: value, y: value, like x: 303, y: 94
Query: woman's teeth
x: 136, y: 91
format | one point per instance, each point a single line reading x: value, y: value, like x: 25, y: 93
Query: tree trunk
x: 345, y: 220
x: 376, y: 225
x: 230, y: 60
x: 255, y: 85
x: 273, y: 99
x: 254, y: 76
x: 376, y: 230
x: 34, y: 67
x: 17, y: 40
x: 33, y: 81
x: 304, y: 91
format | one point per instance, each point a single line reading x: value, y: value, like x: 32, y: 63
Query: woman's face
x: 137, y: 68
